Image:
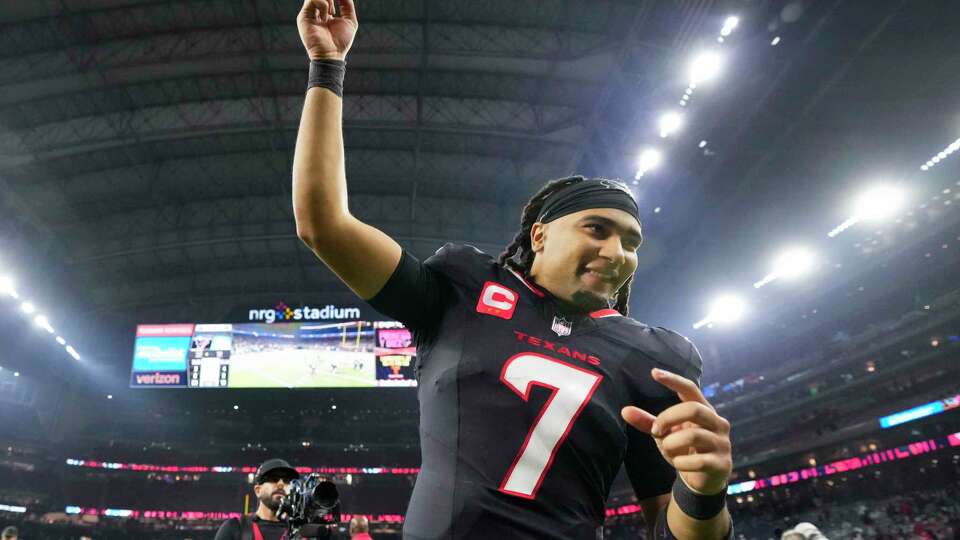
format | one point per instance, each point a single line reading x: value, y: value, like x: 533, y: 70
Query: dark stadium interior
x: 145, y: 162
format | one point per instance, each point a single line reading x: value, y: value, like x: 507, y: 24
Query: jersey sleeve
x: 649, y: 472
x: 464, y: 266
x: 415, y: 295
x: 418, y: 293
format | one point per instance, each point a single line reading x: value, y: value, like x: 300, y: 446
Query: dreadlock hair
x: 519, y: 254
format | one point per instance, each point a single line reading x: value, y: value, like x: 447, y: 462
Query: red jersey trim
x: 599, y: 314
x: 533, y: 289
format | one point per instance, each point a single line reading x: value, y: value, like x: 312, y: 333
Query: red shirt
x: 361, y: 536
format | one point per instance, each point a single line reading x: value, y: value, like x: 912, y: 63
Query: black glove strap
x: 327, y: 74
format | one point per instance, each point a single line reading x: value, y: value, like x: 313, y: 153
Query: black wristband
x: 661, y: 529
x: 696, y: 505
x: 327, y: 74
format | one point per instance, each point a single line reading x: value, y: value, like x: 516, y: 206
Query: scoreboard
x: 274, y: 355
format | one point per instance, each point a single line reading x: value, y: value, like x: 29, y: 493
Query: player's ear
x: 538, y: 235
x: 256, y: 489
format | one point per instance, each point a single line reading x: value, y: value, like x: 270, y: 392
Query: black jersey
x: 520, y: 427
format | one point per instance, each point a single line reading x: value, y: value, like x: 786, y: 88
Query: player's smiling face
x: 585, y: 257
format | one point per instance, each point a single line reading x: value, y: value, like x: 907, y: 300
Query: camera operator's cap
x: 274, y: 465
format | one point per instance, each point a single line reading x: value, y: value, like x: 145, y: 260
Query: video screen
x: 277, y: 355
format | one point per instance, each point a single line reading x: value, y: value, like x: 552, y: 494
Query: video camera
x: 311, y: 509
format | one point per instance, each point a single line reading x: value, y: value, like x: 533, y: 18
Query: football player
x: 534, y: 384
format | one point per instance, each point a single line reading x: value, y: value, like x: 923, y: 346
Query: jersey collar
x: 604, y: 313
x: 533, y: 288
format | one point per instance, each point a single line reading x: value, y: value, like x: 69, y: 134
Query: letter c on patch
x: 497, y: 300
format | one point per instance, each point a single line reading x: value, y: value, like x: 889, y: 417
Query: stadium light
x: 775, y: 41
x: 705, y: 67
x: 725, y: 309
x: 61, y: 341
x: 42, y: 322
x: 650, y: 159
x: 27, y: 308
x: 878, y: 203
x: 790, y: 264
x: 72, y: 352
x: 729, y: 26
x: 670, y: 122
x: 875, y: 204
x: 941, y: 155
x: 7, y: 286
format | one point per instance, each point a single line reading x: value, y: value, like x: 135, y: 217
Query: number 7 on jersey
x: 572, y: 388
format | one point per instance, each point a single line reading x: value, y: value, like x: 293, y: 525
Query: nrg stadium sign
x: 284, y: 313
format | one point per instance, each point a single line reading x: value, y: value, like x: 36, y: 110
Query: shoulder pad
x: 674, y: 351
x: 463, y: 264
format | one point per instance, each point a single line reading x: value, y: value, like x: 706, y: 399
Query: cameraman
x: 271, y: 484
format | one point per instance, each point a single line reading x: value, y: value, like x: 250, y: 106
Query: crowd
x: 921, y: 515
x: 830, y: 359
x: 917, y: 499
x: 36, y: 528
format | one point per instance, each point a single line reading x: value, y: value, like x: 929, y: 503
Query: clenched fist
x: 324, y: 34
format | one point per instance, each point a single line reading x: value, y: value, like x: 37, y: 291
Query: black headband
x: 587, y: 194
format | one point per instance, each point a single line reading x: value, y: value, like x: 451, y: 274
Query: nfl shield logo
x: 561, y: 326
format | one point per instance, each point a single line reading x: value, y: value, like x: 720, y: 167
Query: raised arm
x: 362, y: 256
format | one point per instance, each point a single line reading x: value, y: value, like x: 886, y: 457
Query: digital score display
x: 278, y: 355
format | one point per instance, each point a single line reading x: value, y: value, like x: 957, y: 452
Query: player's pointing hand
x: 691, y: 436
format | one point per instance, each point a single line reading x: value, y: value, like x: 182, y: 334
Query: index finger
x: 311, y: 10
x: 686, y: 389
x: 348, y: 9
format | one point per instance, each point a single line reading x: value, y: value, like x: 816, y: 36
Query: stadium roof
x: 146, y: 147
